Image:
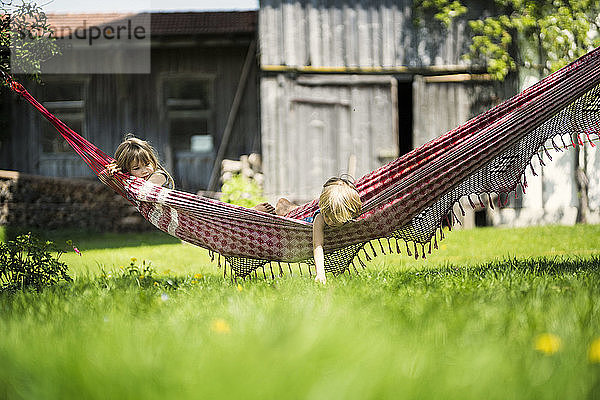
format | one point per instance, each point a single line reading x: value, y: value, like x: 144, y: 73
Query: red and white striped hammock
x: 406, y: 199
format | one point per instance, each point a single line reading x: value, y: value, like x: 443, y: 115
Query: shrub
x: 242, y: 191
x: 27, y: 262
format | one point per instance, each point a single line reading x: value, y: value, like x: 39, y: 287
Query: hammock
x: 405, y: 200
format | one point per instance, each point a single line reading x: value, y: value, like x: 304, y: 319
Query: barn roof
x: 163, y: 23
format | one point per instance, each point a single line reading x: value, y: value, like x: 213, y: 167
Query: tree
x: 543, y: 35
x: 25, y: 37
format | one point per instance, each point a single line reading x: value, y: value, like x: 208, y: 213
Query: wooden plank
x: 289, y: 33
x: 315, y: 34
x: 364, y: 41
x: 342, y: 80
x: 387, y: 34
x: 338, y: 44
x: 350, y: 41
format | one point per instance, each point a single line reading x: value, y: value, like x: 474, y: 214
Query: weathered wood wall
x: 117, y: 104
x: 358, y: 33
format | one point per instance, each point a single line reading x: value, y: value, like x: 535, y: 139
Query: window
x: 66, y: 101
x: 189, y: 104
x: 189, y: 107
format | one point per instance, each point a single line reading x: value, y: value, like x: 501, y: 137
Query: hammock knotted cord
x: 406, y: 199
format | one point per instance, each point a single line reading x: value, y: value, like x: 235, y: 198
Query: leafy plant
x: 27, y: 262
x: 541, y: 34
x: 242, y: 191
x: 26, y: 38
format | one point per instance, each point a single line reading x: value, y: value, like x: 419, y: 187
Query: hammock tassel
x: 435, y: 245
x: 397, y: 246
x: 381, y: 246
x: 271, y: 267
x: 481, y: 204
x: 354, y: 266
x: 362, y: 264
x: 389, y: 239
x: 542, y: 163
x: 556, y: 148
x: 548, y: 153
x: 579, y: 139
x: 300, y: 268
x: 462, y: 210
x: 373, y: 249
x: 290, y: 269
x: 455, y: 217
x: 416, y: 251
x: 490, y: 201
x: 532, y: 170
x: 590, y: 141
x: 280, y: 269
x: 471, y: 202
x: 365, y: 251
x: 507, y: 199
x: 407, y: 249
x: 563, y: 141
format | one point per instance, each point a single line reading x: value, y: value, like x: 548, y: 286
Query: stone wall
x: 36, y: 202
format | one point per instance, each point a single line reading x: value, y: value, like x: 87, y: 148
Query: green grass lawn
x: 493, y: 314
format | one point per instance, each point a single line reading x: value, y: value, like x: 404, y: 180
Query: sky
x: 79, y: 6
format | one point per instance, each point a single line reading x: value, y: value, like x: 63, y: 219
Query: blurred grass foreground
x: 494, y: 314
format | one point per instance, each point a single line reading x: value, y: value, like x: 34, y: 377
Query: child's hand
x: 113, y: 168
x: 321, y: 278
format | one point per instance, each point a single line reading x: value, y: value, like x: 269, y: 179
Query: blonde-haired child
x: 339, y: 203
x: 138, y: 158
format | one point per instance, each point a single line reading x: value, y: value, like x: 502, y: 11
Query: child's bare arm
x: 158, y: 179
x: 319, y: 256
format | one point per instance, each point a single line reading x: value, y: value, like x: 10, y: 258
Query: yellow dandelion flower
x: 547, y: 343
x: 220, y: 326
x: 142, y: 276
x: 239, y: 287
x: 194, y: 281
x: 166, y: 272
x: 594, y: 351
x: 155, y: 283
x: 121, y: 267
x: 133, y: 259
x: 197, y: 276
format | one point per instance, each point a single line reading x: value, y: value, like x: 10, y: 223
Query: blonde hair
x: 339, y: 201
x: 133, y: 151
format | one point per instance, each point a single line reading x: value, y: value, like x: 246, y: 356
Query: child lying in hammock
x: 339, y: 203
x: 138, y: 158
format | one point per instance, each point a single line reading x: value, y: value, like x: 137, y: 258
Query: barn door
x: 317, y: 144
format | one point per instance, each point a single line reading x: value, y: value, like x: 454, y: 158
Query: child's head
x: 339, y: 201
x: 134, y: 152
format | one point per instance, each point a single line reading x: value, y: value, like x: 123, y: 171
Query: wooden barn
x: 349, y: 85
x: 201, y: 64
